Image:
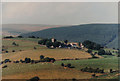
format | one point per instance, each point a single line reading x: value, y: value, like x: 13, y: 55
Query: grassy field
x: 52, y: 70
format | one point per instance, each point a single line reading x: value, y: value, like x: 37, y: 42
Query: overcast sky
x: 59, y: 13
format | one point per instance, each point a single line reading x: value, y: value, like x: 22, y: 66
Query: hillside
x: 103, y: 34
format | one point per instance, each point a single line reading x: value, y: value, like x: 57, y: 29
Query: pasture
x: 52, y: 70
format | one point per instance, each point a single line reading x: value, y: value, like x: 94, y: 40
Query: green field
x: 53, y: 70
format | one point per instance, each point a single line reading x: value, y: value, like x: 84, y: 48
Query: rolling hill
x: 16, y: 29
x: 105, y: 34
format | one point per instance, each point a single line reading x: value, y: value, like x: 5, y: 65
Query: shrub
x: 62, y: 64
x: 89, y: 51
x: 4, y: 66
x: 27, y: 60
x: 6, y: 51
x: 43, y: 41
x: 34, y: 79
x: 41, y: 57
x: 47, y: 59
x: 9, y: 37
x: 3, y: 49
x: 14, y: 43
x: 101, y: 52
x: 7, y: 60
x: 69, y: 65
x: 17, y: 61
x: 21, y: 61
x: 35, y: 48
x: 91, y: 70
x: 49, y: 44
x: 20, y: 37
x: 111, y: 71
x: 93, y: 75
x: 13, y: 50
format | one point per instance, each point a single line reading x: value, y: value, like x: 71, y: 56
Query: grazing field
x: 48, y: 70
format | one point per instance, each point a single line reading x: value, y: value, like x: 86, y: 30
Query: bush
x: 89, y: 51
x: 47, y: 59
x: 34, y: 79
x: 35, y: 48
x: 13, y: 50
x: 93, y: 75
x: 17, y: 61
x: 91, y: 70
x: 14, y: 43
x: 21, y: 61
x: 101, y: 52
x: 49, y: 44
x: 4, y: 66
x: 56, y: 44
x: 62, y: 64
x: 111, y: 71
x: 20, y: 37
x: 9, y: 37
x: 6, y: 51
x: 3, y: 49
x: 6, y: 60
x: 41, y: 57
x: 27, y: 60
x: 69, y: 65
x: 43, y: 41
x: 32, y: 37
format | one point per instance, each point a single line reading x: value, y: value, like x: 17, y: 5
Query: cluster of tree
x: 4, y: 66
x: 103, y: 52
x: 42, y: 59
x: 49, y: 43
x: 34, y: 79
x: 9, y: 37
x: 20, y: 36
x: 46, y: 59
x: 44, y: 41
x: 91, y: 70
x: 33, y: 37
x: 67, y: 65
x: 6, y: 61
x: 91, y: 45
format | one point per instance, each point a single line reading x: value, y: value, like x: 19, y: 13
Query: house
x: 81, y: 46
x: 74, y: 45
x: 53, y: 40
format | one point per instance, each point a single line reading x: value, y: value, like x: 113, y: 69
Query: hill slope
x: 101, y: 33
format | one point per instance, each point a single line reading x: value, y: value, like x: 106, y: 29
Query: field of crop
x: 52, y: 70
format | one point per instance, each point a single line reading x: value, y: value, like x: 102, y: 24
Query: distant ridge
x: 16, y: 29
x: 103, y: 34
